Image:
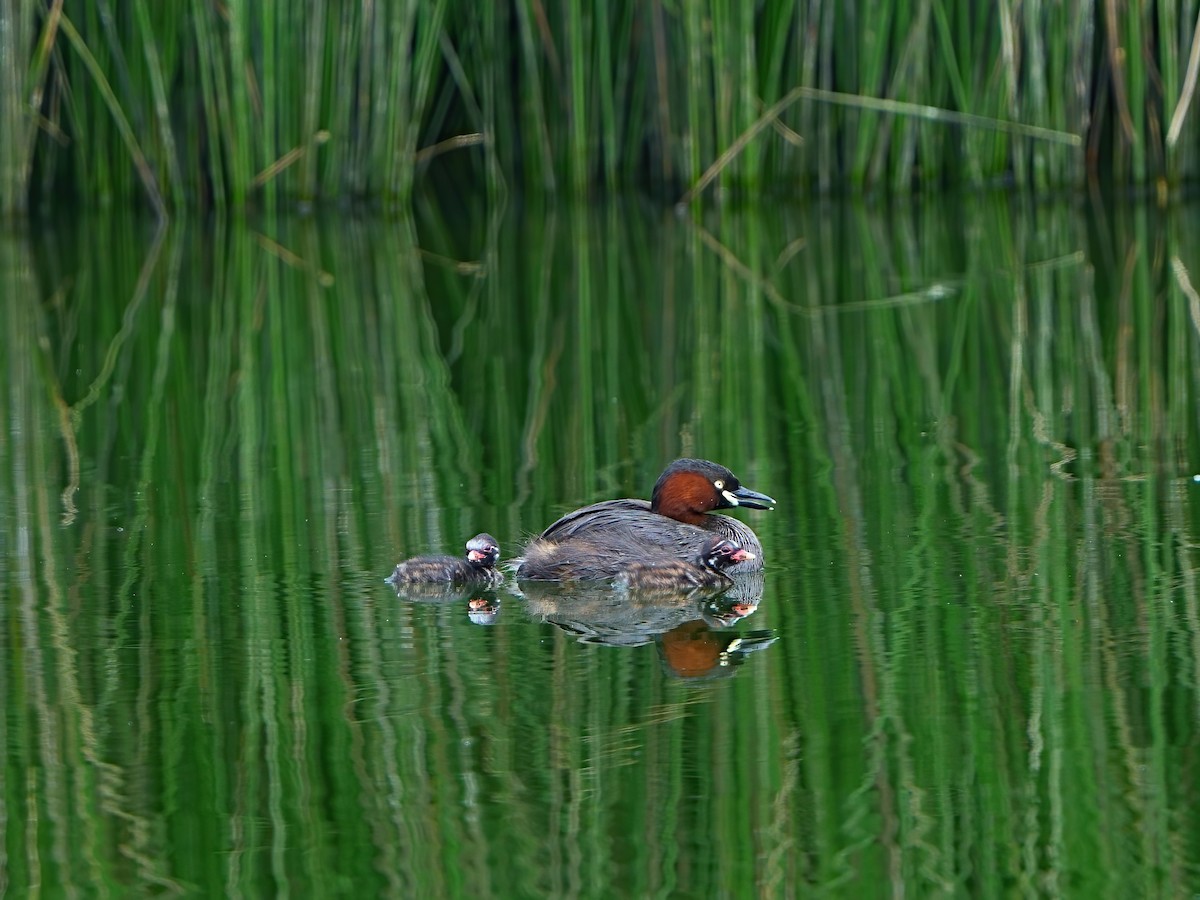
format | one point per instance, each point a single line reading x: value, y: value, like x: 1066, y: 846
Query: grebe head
x: 688, y: 488
x: 720, y: 553
x: 483, y: 550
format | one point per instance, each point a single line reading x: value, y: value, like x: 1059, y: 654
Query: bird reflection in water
x: 481, y: 606
x: 692, y: 630
x: 695, y: 652
x: 483, y: 609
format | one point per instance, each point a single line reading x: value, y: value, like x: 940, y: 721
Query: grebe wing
x: 607, y: 514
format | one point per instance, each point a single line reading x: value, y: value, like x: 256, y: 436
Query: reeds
x: 200, y: 104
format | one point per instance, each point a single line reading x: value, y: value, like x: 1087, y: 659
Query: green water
x: 973, y: 669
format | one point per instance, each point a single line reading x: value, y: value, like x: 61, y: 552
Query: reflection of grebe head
x: 719, y: 613
x: 483, y: 550
x: 688, y: 488
x: 483, y: 610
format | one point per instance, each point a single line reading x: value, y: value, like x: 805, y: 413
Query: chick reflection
x: 482, y: 607
x: 680, y: 623
x: 742, y: 599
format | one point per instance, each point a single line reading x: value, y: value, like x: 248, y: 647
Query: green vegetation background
x: 981, y: 426
x: 205, y: 104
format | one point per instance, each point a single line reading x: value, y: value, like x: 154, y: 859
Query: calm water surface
x: 971, y: 668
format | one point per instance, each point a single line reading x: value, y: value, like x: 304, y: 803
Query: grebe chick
x: 706, y: 571
x: 478, y: 567
x: 599, y: 541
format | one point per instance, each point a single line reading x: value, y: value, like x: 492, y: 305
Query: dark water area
x: 971, y: 667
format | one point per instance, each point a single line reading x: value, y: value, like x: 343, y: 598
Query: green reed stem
x: 149, y: 181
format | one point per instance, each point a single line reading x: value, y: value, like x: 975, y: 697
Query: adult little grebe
x: 599, y: 541
x: 707, y: 570
x: 477, y: 567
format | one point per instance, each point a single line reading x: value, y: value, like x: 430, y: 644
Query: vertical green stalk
x: 428, y: 53
x: 22, y: 75
x: 579, y: 160
x: 535, y: 113
x: 720, y: 41
x: 216, y: 103
x: 1168, y: 64
x: 1132, y: 41
x: 239, y: 131
x: 162, y: 112
x: 610, y: 130
x: 319, y: 46
x: 695, y: 87
x: 273, y: 116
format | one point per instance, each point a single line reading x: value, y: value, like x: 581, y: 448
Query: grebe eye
x: 719, y: 484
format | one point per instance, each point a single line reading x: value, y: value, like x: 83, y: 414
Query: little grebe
x: 477, y: 567
x: 706, y: 571
x: 599, y: 541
